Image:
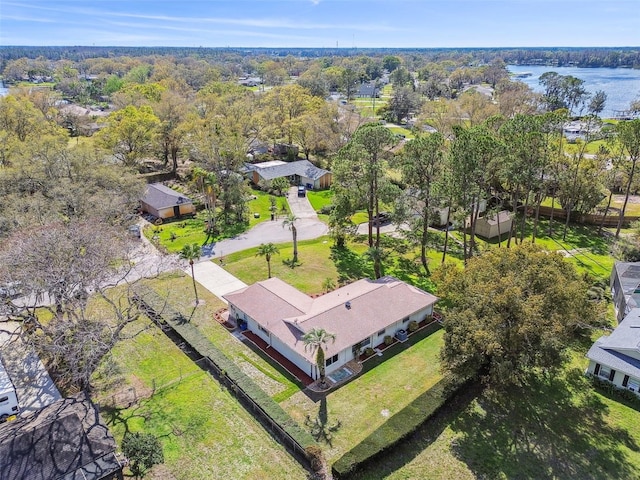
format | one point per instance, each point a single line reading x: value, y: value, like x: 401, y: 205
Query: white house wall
x: 618, y: 378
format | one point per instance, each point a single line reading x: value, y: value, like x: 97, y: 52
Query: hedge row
x: 157, y: 307
x: 623, y: 393
x: 394, y: 430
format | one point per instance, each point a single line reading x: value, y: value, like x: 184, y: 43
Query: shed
x: 491, y: 226
x: 164, y: 202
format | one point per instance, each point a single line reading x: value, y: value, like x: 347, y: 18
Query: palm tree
x: 290, y: 222
x: 314, y: 339
x: 192, y: 253
x: 207, y: 181
x: 266, y: 250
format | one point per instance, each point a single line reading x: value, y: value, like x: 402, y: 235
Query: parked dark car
x: 134, y: 230
x: 381, y: 218
x: 302, y: 191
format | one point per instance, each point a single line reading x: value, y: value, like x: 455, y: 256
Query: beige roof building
x: 353, y: 313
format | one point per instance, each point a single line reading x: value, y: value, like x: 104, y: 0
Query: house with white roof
x: 360, y: 315
x: 616, y: 357
x: 300, y: 172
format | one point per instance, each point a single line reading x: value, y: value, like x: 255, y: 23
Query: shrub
x: 388, y: 340
x: 368, y: 351
x: 396, y: 429
x: 152, y: 302
x: 413, y: 326
x: 143, y: 451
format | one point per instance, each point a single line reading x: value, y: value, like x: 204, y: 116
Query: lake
x: 622, y: 85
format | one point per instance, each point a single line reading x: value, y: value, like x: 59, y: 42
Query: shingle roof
x: 288, y: 314
x: 629, y: 275
x: 614, y: 359
x: 66, y: 440
x: 303, y: 168
x: 159, y: 196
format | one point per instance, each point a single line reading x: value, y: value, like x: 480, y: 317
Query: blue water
x: 622, y: 85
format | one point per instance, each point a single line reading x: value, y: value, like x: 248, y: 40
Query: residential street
x: 308, y: 225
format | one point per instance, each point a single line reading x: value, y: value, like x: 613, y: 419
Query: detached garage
x: 164, y: 202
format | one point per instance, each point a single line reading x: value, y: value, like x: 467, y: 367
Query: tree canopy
x: 511, y: 311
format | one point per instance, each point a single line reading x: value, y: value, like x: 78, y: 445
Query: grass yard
x: 583, y: 246
x: 178, y: 289
x: 364, y: 404
x: 308, y: 277
x: 561, y: 430
x: 173, y: 235
x: 320, y: 198
x: 204, y: 431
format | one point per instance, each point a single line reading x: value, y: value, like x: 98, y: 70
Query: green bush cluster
x: 235, y: 378
x: 612, y: 389
x: 394, y: 430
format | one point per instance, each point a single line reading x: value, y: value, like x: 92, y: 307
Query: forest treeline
x: 613, y: 57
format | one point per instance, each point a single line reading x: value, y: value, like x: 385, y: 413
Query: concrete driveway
x: 215, y: 279
x: 300, y: 206
x: 308, y: 226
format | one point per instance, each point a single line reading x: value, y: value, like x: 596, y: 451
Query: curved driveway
x: 308, y: 225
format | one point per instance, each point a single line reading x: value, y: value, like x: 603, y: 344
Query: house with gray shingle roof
x: 360, y: 315
x: 300, y: 172
x: 616, y: 357
x: 65, y: 440
x: 164, y: 202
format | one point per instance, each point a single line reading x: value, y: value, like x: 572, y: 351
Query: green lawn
x: 178, y: 289
x: 320, y: 198
x: 562, y: 430
x: 175, y: 234
x: 583, y: 246
x: 308, y: 277
x: 204, y: 431
x: 364, y: 404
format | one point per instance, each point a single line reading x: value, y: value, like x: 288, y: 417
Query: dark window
x: 331, y: 360
x: 381, y: 332
x: 263, y: 329
x: 612, y: 375
x: 596, y: 370
x: 365, y: 342
x: 625, y: 380
x: 4, y: 399
x: 405, y: 320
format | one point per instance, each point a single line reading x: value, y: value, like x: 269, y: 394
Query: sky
x: 321, y: 23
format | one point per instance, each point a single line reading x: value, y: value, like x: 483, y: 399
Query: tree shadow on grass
x: 350, y: 265
x: 549, y: 429
x: 395, y: 458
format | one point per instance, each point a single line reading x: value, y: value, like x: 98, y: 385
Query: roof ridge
x: 284, y: 299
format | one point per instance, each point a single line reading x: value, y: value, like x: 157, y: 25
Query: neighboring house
x: 578, y: 130
x: 368, y: 90
x: 66, y: 440
x: 616, y: 357
x: 163, y: 202
x: 300, y: 172
x: 625, y: 288
x: 491, y: 226
x: 360, y: 315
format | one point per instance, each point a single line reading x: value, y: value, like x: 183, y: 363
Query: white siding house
x: 360, y: 314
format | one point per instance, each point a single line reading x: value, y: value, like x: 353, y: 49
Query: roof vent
x: 348, y: 305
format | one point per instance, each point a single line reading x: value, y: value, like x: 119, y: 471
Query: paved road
x: 308, y: 226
